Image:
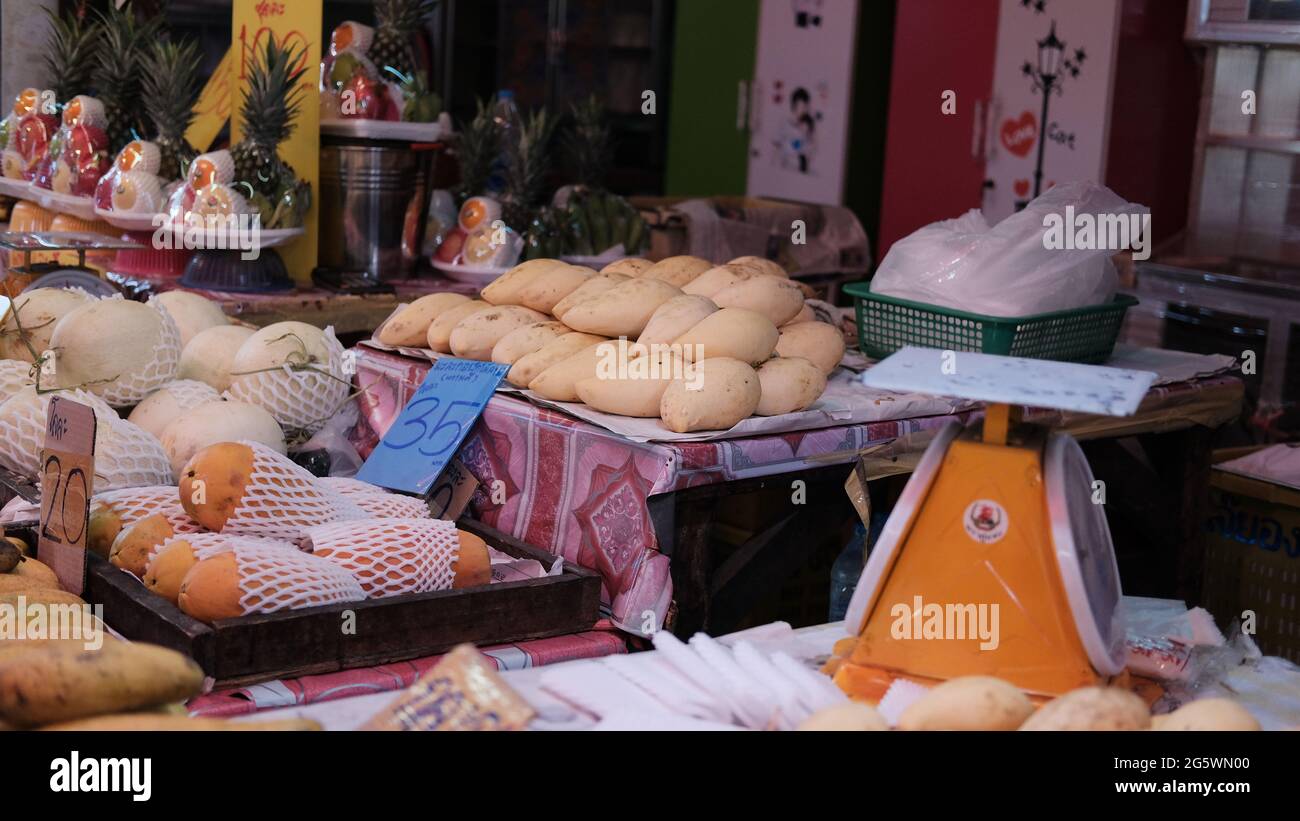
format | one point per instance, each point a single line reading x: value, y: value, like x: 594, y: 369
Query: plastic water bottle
x: 506, y: 115
x: 845, y: 573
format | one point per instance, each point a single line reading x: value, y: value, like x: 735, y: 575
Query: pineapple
x: 70, y: 55
x: 587, y: 143
x: 119, y: 71
x: 477, y: 146
x: 271, y: 102
x: 396, y: 21
x: 527, y: 163
x: 171, y: 87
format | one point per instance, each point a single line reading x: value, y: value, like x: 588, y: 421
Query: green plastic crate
x: 1087, y: 334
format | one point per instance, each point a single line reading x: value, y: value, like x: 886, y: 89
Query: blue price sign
x: 429, y: 430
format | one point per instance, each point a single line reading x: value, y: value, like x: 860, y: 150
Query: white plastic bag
x: 1008, y: 269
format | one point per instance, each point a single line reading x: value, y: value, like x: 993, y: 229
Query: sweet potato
x: 157, y: 723
x: 64, y: 683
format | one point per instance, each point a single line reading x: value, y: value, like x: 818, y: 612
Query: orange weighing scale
x: 996, y: 560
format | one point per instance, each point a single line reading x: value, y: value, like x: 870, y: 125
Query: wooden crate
x: 314, y: 640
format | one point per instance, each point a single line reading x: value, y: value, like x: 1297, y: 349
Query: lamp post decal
x: 1047, y: 76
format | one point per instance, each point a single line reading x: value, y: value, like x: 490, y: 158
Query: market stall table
x: 386, y: 678
x: 641, y: 513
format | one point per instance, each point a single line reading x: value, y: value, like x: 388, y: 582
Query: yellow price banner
x: 214, y: 105
x: 296, y: 25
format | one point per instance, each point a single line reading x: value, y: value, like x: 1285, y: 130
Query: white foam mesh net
x: 351, y: 488
x: 22, y: 427
x: 130, y: 388
x: 190, y: 393
x: 127, y: 455
x: 272, y: 578
x: 133, y: 504
x: 207, y: 544
x: 298, y: 399
x: 390, y: 557
x: 14, y: 376
x: 376, y: 501
x: 281, y: 500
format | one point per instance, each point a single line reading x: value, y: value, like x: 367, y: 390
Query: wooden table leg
x: 681, y: 525
x: 1182, y: 460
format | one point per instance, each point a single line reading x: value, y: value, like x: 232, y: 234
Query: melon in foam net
x: 126, y: 455
x: 117, y: 349
x: 210, y: 355
x: 165, y: 405
x: 191, y: 312
x: 39, y: 310
x: 295, y: 371
x: 219, y: 421
x: 14, y: 376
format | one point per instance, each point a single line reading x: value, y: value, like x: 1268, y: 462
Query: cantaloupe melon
x: 39, y: 310
x: 161, y: 407
x: 219, y: 421
x: 117, y: 349
x: 14, y: 376
x: 304, y: 395
x: 126, y: 455
x: 22, y: 426
x: 192, y: 313
x: 211, y: 353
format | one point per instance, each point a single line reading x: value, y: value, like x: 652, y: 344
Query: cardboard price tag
x: 451, y: 493
x: 67, y: 483
x: 429, y: 430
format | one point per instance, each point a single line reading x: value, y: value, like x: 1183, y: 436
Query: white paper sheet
x: 1037, y: 383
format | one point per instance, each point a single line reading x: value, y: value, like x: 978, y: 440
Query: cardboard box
x: 1252, y: 557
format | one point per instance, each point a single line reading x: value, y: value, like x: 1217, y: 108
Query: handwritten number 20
x: 62, y: 483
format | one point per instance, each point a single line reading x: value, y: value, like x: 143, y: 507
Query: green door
x: 713, y: 67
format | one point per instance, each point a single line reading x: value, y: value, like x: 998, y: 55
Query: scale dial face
x: 1085, y: 553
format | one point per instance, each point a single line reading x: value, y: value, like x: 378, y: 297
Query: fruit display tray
x: 364, y: 633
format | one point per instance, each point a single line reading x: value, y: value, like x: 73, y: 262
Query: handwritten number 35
x: 419, y: 429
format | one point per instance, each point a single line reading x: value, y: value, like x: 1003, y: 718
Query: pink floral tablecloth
x: 580, y: 491
x: 603, y: 640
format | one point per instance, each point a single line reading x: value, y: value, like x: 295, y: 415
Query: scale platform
x: 995, y: 560
x: 55, y: 275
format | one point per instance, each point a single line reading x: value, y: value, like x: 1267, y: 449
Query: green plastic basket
x: 1087, y: 334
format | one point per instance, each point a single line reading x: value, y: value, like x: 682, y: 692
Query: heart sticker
x: 1018, y: 135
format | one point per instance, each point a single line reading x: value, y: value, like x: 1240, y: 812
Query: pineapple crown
x: 70, y: 58
x: 171, y: 85
x: 587, y: 143
x: 403, y: 16
x: 527, y: 164
x: 477, y: 145
x: 118, y: 71
x: 274, y: 95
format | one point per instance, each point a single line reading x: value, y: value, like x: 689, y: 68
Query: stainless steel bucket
x: 366, y: 190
